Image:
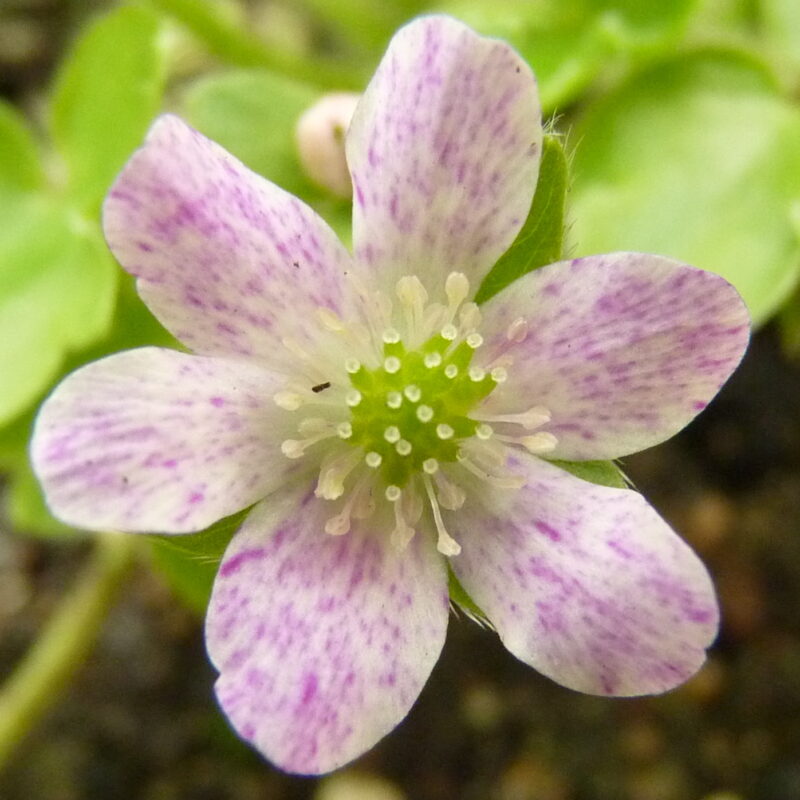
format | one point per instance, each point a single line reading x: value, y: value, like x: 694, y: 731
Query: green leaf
x: 697, y: 158
x: 19, y: 158
x: 252, y: 114
x: 57, y: 284
x: 190, y: 562
x: 106, y: 94
x: 603, y: 473
x: 542, y: 235
x: 570, y: 44
x: 459, y: 596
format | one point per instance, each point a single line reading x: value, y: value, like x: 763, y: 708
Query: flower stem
x: 241, y: 48
x: 64, y: 642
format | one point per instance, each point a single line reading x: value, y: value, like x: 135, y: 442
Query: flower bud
x: 320, y: 135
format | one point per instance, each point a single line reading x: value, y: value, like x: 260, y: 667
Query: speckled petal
x: 623, y: 349
x: 323, y: 643
x: 444, y: 154
x: 586, y: 584
x: 226, y: 260
x: 155, y: 440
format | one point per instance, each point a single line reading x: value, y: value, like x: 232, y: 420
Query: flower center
x: 404, y: 420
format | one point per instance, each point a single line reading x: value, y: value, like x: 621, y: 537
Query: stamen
x: 311, y: 426
x: 474, y: 340
x: 484, y: 431
x: 424, y: 413
x: 373, y: 459
x: 450, y: 371
x: 432, y: 360
x: 477, y: 374
x: 456, y: 287
x: 403, y: 447
x: 330, y: 319
x: 394, y: 399
x: 390, y: 336
x: 344, y: 430
x: 530, y: 419
x: 392, y: 364
x: 352, y: 365
x: 392, y: 493
x: 517, y: 331
x: 352, y: 398
x: 449, y: 332
x: 413, y: 393
x: 430, y: 465
x: 446, y: 544
x: 413, y: 297
x: 499, y: 374
x: 451, y: 496
x: 537, y: 443
x: 392, y: 434
x: 503, y: 480
x: 444, y: 431
x: 469, y: 316
x: 315, y: 430
x: 289, y: 401
x: 335, y: 469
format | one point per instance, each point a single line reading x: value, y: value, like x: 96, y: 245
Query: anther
x: 392, y: 493
x: 432, y: 360
x: 352, y: 365
x: 311, y: 426
x: 392, y: 364
x: 450, y: 371
x: 424, y: 413
x: 403, y: 447
x: 353, y: 398
x: 330, y: 320
x: 446, y: 544
x: 344, y: 430
x: 392, y: 434
x: 430, y: 465
x: 537, y: 443
x: 499, y: 375
x: 484, y: 431
x: 476, y: 374
x: 517, y: 330
x: 293, y: 448
x: 394, y: 399
x: 444, y: 431
x: 413, y: 393
x: 289, y: 401
x: 456, y: 287
x: 474, y: 340
x: 373, y: 459
x: 449, y: 332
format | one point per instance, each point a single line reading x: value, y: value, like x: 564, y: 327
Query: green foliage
x: 542, y: 236
x: 603, y: 473
x: 20, y: 169
x: 697, y: 158
x: 252, y: 114
x: 569, y: 44
x: 106, y: 95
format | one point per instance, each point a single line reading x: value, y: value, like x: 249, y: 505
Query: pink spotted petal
x: 623, y: 349
x: 228, y: 262
x: 444, y: 153
x: 155, y: 440
x: 323, y: 643
x: 587, y: 584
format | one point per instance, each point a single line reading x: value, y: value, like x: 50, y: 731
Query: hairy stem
x: 63, y: 643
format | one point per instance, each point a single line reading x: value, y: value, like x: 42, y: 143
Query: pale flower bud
x: 320, y: 141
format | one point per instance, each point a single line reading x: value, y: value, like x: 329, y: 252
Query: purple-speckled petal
x: 226, y: 260
x: 155, y: 440
x: 587, y: 584
x: 323, y: 643
x: 623, y: 349
x: 444, y: 154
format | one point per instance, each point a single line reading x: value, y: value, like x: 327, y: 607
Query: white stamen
x: 390, y: 336
x: 469, y: 316
x: 430, y: 465
x: 424, y: 413
x: 499, y: 375
x: 403, y: 447
x: 451, y: 496
x: 333, y: 472
x: 403, y: 530
x: 444, y: 431
x: 413, y: 393
x: 330, y: 320
x: 394, y: 399
x: 392, y: 364
x: 456, y: 287
x: 392, y: 493
x: 352, y: 365
x: 413, y: 298
x: 446, y: 544
x: 450, y: 371
x: 503, y: 480
x: 537, y: 443
x: 477, y: 374
x: 293, y: 448
x: 352, y: 398
x: 474, y: 340
x: 311, y: 426
x: 373, y: 459
x: 392, y: 434
x: 432, y: 360
x: 289, y: 401
x: 449, y: 332
x: 530, y: 419
x: 344, y: 430
x: 517, y: 331
x: 484, y: 431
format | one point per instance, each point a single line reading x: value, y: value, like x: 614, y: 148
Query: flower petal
x: 227, y: 261
x: 587, y: 584
x: 155, y: 440
x: 623, y: 349
x: 323, y: 643
x: 444, y: 154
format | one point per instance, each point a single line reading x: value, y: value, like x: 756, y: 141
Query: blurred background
x: 681, y: 120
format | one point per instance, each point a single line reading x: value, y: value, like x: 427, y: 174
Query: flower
x: 383, y: 425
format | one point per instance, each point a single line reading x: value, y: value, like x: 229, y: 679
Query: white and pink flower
x: 383, y: 426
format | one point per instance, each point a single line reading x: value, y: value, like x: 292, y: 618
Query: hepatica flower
x: 382, y: 425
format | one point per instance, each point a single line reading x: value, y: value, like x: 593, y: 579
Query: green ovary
x: 420, y: 398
